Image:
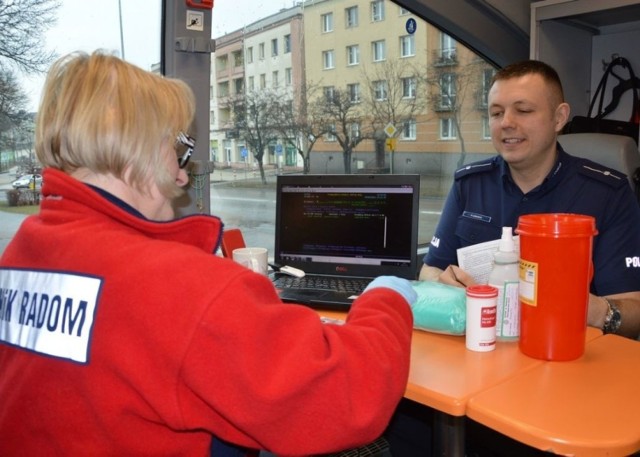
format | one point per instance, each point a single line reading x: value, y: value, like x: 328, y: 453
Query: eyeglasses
x: 188, y: 142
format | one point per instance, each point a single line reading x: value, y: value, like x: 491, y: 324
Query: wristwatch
x: 613, y: 319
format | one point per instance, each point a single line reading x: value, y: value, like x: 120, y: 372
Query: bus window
x: 318, y: 87
x: 340, y: 87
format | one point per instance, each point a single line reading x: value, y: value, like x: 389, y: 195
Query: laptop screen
x: 351, y: 225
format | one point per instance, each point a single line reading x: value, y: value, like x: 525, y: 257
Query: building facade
x: 393, y: 92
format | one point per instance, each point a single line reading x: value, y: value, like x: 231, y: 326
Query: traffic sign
x: 390, y: 130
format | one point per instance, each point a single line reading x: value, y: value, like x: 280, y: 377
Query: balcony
x: 445, y: 58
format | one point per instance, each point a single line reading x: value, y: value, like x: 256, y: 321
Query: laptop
x: 344, y: 228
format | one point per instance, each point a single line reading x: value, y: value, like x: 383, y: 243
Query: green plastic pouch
x: 439, y: 308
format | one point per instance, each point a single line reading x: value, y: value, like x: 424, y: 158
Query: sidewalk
x: 9, y: 224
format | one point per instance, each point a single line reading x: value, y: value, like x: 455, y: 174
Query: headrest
x: 614, y: 151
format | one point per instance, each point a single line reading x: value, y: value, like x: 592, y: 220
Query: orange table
x: 444, y: 375
x: 586, y: 407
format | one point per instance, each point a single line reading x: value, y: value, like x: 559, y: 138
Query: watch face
x: 612, y: 320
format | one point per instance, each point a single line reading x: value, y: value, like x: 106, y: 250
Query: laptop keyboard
x: 353, y: 286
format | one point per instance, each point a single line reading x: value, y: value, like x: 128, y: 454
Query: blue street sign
x: 411, y: 25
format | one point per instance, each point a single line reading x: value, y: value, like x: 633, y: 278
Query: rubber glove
x: 400, y: 285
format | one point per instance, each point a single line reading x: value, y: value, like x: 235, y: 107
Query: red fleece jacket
x: 181, y: 345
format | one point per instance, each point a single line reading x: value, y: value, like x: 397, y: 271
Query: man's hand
x: 453, y: 276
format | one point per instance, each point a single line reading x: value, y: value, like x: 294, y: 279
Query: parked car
x: 25, y: 181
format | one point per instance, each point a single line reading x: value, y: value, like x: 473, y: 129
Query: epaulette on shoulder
x: 477, y: 167
x: 609, y: 176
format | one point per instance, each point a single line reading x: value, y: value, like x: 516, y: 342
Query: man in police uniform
x: 532, y: 174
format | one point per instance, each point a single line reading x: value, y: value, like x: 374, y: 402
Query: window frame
x: 326, y: 21
x: 351, y: 17
x: 328, y: 59
x: 380, y: 90
x: 450, y: 132
x: 378, y: 51
x: 409, y: 130
x: 409, y: 87
x: 377, y: 11
x: 407, y: 41
x: 353, y: 54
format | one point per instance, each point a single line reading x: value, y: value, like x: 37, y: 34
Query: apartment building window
x: 447, y: 129
x: 237, y: 59
x: 353, y: 55
x: 329, y: 93
x: 355, y: 130
x: 327, y: 22
x: 378, y: 50
x: 448, y: 91
x: 409, y: 87
x: 487, y: 77
x: 274, y: 79
x: 377, y: 11
x: 250, y: 54
x: 407, y: 46
x: 251, y: 83
x: 288, y: 76
x: 222, y: 62
x: 328, y: 61
x: 354, y: 92
x: 486, y: 130
x: 263, y: 81
x: 261, y: 51
x: 351, y: 17
x: 238, y: 85
x: 447, y: 47
x: 223, y: 89
x: 331, y: 134
x: 380, y: 90
x: 274, y: 47
x: 409, y: 129
x: 287, y: 44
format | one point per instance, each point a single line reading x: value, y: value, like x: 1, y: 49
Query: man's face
x: 524, y: 118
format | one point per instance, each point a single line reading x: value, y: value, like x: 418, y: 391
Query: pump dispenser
x: 505, y: 277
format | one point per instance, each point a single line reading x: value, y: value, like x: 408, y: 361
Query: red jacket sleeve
x: 272, y: 376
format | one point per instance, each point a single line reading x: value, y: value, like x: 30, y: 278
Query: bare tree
x: 393, y: 95
x: 455, y: 87
x: 344, y: 117
x: 298, y: 124
x: 12, y: 100
x: 252, y: 117
x: 22, y: 27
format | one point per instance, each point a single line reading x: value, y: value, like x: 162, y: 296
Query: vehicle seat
x: 231, y: 239
x: 614, y: 151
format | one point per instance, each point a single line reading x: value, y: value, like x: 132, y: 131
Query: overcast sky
x: 89, y: 25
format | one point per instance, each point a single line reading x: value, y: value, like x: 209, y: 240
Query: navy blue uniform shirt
x: 484, y: 198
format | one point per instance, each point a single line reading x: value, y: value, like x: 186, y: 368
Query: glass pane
x: 380, y: 70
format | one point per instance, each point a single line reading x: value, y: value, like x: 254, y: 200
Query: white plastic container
x: 481, y: 318
x: 505, y: 277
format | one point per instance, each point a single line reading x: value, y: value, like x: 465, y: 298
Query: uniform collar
x: 554, y: 177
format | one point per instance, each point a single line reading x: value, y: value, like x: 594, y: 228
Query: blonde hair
x: 104, y: 114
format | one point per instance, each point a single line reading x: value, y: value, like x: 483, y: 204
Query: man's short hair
x: 527, y: 67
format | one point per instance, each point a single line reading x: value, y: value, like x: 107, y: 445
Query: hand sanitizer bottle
x: 505, y: 277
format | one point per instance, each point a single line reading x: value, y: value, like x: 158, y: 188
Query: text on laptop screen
x: 346, y: 219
